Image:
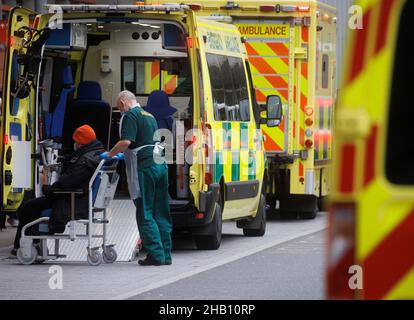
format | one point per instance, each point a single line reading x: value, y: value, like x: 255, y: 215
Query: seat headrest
x: 67, y: 75
x: 89, y: 90
x: 158, y: 105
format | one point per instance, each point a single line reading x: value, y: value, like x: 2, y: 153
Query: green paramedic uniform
x: 152, y: 202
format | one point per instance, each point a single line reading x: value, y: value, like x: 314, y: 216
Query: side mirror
x: 274, y: 110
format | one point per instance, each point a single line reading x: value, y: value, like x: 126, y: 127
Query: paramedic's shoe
x: 149, y: 261
x: 168, y: 262
x: 13, y: 222
x: 13, y: 252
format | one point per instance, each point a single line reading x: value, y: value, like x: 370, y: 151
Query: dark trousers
x: 153, y: 212
x: 28, y: 212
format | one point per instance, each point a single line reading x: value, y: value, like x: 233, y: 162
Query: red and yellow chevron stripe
x: 159, y: 80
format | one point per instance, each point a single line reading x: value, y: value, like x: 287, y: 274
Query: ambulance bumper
x: 191, y: 216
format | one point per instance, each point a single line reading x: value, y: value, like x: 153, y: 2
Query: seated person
x: 158, y: 105
x: 78, y: 169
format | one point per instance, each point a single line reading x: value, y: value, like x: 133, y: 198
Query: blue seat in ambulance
x: 89, y: 108
x: 158, y: 105
x: 55, y: 119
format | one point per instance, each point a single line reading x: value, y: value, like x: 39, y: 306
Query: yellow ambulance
x: 67, y: 69
x: 291, y: 45
x: 371, y: 220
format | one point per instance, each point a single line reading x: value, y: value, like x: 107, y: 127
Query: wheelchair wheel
x: 94, y: 258
x: 29, y: 259
x: 109, y: 255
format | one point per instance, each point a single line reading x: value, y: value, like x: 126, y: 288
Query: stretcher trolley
x: 102, y: 187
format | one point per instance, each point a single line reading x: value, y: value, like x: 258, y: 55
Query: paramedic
x: 78, y: 168
x: 147, y: 179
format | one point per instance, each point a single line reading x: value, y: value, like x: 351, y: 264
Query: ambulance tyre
x: 310, y: 210
x: 299, y: 206
x: 211, y: 241
x: 261, y: 215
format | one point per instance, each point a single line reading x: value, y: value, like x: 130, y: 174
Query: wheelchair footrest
x: 100, y: 221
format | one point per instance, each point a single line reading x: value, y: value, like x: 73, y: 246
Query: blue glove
x: 119, y: 156
x: 104, y: 155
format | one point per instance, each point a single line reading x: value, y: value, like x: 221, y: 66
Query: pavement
x: 246, y: 256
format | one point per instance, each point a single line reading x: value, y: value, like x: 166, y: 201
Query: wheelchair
x: 102, y: 187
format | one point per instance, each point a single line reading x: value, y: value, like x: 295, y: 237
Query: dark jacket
x: 78, y: 169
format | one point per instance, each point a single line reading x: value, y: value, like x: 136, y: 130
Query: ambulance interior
x: 86, y: 65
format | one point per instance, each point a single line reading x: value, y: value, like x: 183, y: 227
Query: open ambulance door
x: 17, y: 114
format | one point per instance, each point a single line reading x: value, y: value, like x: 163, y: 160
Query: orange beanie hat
x: 84, y: 135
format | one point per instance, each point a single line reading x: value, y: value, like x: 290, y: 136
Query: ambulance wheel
x: 211, y: 241
x: 308, y: 215
x: 109, y: 255
x: 27, y: 260
x: 94, y: 258
x: 261, y: 215
x: 310, y: 208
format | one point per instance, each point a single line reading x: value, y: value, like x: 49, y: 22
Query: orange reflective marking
x: 305, y: 34
x: 279, y: 48
x: 260, y: 96
x: 302, y: 137
x: 171, y: 85
x: 155, y: 69
x: 270, y: 144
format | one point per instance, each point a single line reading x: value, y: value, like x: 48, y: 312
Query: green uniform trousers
x: 153, y: 212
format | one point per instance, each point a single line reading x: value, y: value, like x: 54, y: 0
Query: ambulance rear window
x: 400, y: 144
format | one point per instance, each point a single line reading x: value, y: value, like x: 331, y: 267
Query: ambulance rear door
x: 271, y: 59
x: 16, y: 114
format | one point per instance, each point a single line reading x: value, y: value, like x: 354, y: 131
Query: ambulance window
x: 400, y: 146
x: 14, y: 102
x: 217, y: 87
x: 240, y: 87
x: 232, y: 106
x: 229, y: 88
x: 133, y: 75
x: 325, y: 71
x: 144, y: 75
